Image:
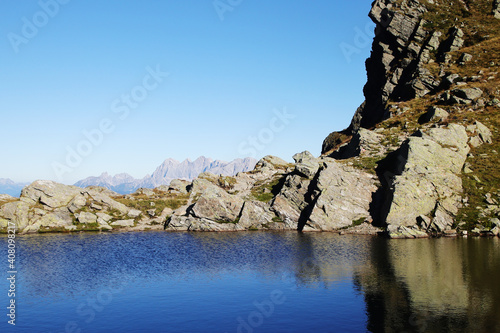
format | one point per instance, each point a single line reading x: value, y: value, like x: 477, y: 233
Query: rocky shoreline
x: 419, y: 159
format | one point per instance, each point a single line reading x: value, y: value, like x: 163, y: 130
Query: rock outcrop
x: 426, y: 178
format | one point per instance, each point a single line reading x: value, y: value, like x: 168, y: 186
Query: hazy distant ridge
x: 10, y: 187
x: 170, y: 169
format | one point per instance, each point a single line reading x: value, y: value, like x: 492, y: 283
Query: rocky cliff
x: 419, y: 158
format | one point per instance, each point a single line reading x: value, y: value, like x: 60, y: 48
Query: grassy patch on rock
x: 145, y: 203
x: 266, y: 190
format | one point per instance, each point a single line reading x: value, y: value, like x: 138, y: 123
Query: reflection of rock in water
x: 328, y: 258
x: 432, y: 285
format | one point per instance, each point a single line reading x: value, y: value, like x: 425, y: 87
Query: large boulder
x: 344, y: 196
x: 16, y: 212
x: 102, y: 199
x: 292, y: 200
x: 431, y: 165
x: 86, y: 218
x: 123, y: 223
x: 363, y: 143
x: 179, y: 185
x: 49, y: 193
x: 57, y: 219
x: 271, y: 162
x: 306, y: 164
x: 480, y: 134
x: 217, y: 205
x: 256, y: 215
x: 468, y: 93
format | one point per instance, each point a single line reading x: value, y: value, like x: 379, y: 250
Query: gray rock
x: 455, y: 40
x: 480, y: 134
x: 344, y: 196
x: 6, y: 197
x: 475, y: 141
x: 430, y: 175
x: 255, y: 214
x: 105, y: 217
x: 436, y: 114
x: 133, y: 213
x: 179, y: 185
x: 85, y: 218
x: 452, y: 79
x: 102, y: 190
x: 145, y: 191
x: 363, y: 143
x: 434, y: 41
x: 306, y: 164
x: 16, y: 212
x: 405, y: 232
x: 484, y: 132
x: 49, y: 193
x: 123, y: 223
x: 271, y: 162
x: 188, y: 223
x: 442, y: 220
x: 465, y: 57
x: 217, y: 205
x: 424, y: 222
x: 95, y: 206
x: 102, y: 199
x: 78, y: 202
x: 59, y: 218
x: 468, y: 93
x: 292, y: 200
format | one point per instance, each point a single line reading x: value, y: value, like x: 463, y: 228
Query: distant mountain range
x: 10, y: 187
x: 170, y: 169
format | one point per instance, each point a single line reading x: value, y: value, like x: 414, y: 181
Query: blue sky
x: 244, y: 78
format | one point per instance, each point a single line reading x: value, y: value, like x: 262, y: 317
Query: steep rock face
x: 399, y: 48
x: 344, y: 196
x: 423, y: 178
x: 333, y: 198
x: 217, y: 205
x: 396, y: 69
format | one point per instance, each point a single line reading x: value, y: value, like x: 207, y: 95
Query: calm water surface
x: 252, y: 282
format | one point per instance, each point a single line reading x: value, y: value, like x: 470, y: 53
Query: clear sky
x: 245, y: 78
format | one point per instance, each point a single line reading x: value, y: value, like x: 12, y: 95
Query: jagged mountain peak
x: 168, y: 170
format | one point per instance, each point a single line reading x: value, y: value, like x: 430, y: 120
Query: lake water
x: 252, y: 282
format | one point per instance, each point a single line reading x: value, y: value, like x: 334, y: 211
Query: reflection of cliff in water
x: 445, y: 285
